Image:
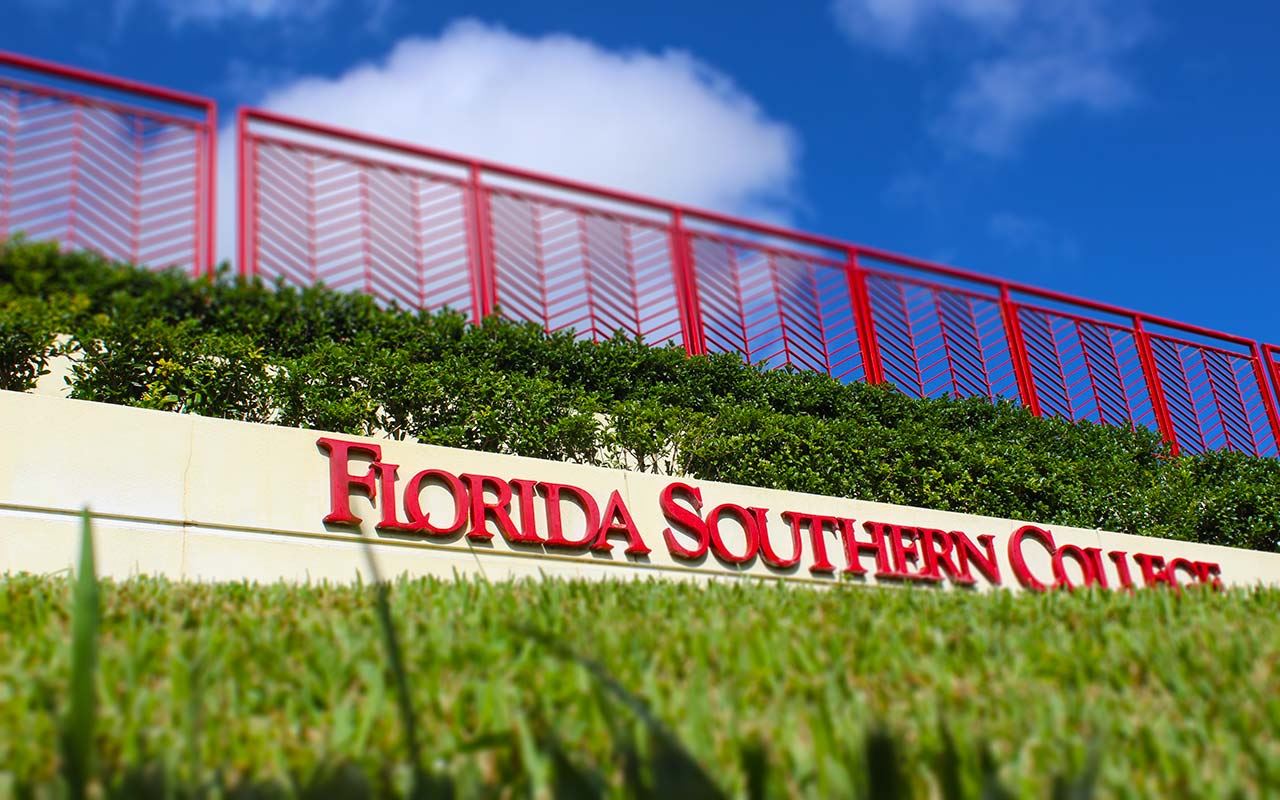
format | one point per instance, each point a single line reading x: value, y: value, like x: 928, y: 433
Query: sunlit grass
x: 280, y: 685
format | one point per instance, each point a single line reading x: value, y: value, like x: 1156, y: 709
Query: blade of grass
x: 947, y: 766
x: 392, y: 643
x: 1083, y: 786
x: 675, y: 771
x: 424, y: 784
x: 77, y: 732
x: 885, y: 778
x: 755, y: 765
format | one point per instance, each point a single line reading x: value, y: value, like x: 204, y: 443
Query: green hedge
x: 334, y: 361
x: 26, y: 344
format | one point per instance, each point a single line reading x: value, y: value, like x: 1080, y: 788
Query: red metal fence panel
x: 1086, y: 369
x: 1217, y: 395
x: 937, y: 338
x: 593, y: 271
x: 389, y: 230
x: 777, y: 306
x: 427, y: 229
x: 108, y: 165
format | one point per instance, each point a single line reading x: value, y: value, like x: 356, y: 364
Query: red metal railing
x: 429, y: 229
x: 106, y: 164
x: 114, y: 166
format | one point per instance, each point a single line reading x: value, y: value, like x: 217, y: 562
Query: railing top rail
x: 916, y: 280
x: 409, y: 148
x: 103, y: 103
x: 355, y: 158
x: 1072, y: 317
x: 766, y: 247
x: 1045, y: 294
x: 578, y: 208
x: 519, y: 173
x: 105, y: 81
x: 765, y: 229
x: 1164, y: 337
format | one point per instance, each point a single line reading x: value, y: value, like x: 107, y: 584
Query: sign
x: 530, y: 513
x: 194, y: 498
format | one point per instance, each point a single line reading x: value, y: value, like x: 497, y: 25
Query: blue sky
x: 1118, y: 149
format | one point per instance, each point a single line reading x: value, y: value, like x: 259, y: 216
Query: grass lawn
x: 271, y: 688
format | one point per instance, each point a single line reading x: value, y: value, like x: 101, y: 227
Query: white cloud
x: 1003, y: 98
x: 662, y: 124
x: 913, y: 189
x: 1023, y: 61
x: 1033, y: 238
x: 214, y: 11
x: 180, y: 13
x: 898, y: 24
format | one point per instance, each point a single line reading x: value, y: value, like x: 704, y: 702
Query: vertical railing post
x: 1018, y: 350
x: 313, y: 251
x: 366, y: 232
x: 686, y: 279
x: 1268, y: 401
x: 1271, y: 354
x: 6, y: 180
x: 479, y: 256
x: 419, y: 259
x: 242, y: 195
x: 255, y: 204
x: 1150, y: 370
x: 135, y: 227
x: 72, y: 206
x: 864, y: 325
x: 198, y: 220
x: 211, y: 189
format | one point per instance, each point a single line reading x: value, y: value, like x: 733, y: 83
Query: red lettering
x: 688, y: 522
x: 1095, y: 563
x: 342, y: 483
x: 985, y: 559
x: 935, y: 552
x: 1153, y: 569
x: 1180, y: 564
x: 817, y: 539
x: 555, y: 526
x: 528, y: 524
x: 618, y: 522
x: 481, y: 509
x: 749, y: 532
x: 418, y: 519
x: 901, y: 552
x: 1207, y: 573
x: 1081, y: 558
x: 767, y: 553
x: 1020, y: 564
x: 1120, y: 559
x: 387, y: 484
x: 853, y: 548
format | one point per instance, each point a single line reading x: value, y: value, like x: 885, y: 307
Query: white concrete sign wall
x: 199, y: 498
